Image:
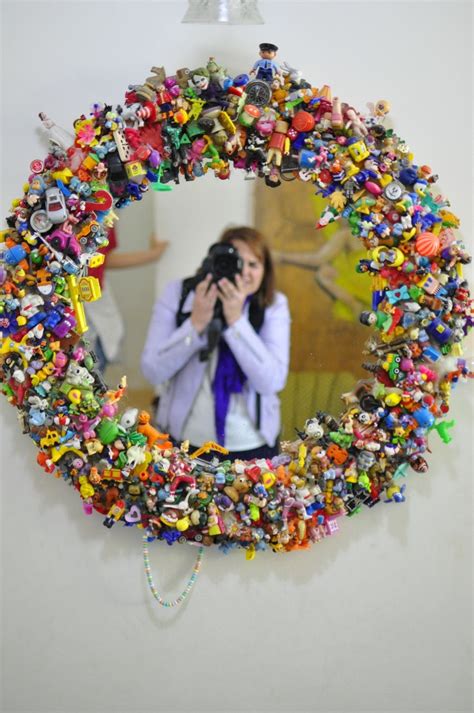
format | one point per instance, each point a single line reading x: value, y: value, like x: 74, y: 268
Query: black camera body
x: 222, y: 260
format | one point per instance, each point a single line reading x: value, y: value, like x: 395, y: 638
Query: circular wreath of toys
x: 174, y: 128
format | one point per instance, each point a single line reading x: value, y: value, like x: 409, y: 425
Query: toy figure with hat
x: 266, y: 69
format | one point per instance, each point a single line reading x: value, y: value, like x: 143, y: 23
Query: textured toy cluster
x: 173, y: 128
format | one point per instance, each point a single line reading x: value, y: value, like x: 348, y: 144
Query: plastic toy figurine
x: 179, y: 472
x: 36, y: 190
x: 313, y: 428
x: 265, y: 68
x: 215, y: 522
x: 151, y: 434
x: 276, y: 149
x: 205, y: 88
x: 395, y: 493
x: 115, y: 513
x: 378, y: 112
x: 217, y: 73
x: 55, y: 133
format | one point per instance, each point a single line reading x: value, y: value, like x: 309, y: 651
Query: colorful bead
x: 190, y: 584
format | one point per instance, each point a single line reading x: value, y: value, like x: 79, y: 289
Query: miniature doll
x: 265, y: 68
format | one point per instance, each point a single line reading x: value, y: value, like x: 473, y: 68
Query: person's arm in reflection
x: 118, y: 260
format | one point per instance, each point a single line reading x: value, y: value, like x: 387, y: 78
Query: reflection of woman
x: 106, y: 329
x: 232, y: 396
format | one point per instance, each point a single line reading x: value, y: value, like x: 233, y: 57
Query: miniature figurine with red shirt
x: 179, y: 472
x: 276, y: 148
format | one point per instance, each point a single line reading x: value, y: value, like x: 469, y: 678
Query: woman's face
x: 253, y: 269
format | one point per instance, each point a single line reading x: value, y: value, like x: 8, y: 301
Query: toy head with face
x: 199, y: 79
x: 267, y: 50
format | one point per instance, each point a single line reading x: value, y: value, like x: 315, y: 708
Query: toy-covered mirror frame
x: 170, y: 129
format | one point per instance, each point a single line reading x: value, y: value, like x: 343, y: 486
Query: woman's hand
x: 232, y: 297
x: 205, y: 297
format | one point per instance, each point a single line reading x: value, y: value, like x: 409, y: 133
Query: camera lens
x: 224, y: 261
x: 226, y: 266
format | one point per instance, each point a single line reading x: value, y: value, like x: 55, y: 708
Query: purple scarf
x: 228, y: 379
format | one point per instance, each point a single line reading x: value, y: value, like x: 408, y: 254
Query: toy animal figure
x: 291, y: 73
x: 86, y: 426
x: 136, y: 455
x: 293, y: 501
x: 151, y: 434
x: 313, y: 428
x: 78, y: 375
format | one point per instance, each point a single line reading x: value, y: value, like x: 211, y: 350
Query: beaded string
x: 190, y: 583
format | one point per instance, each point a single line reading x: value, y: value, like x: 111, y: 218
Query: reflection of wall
x: 192, y: 216
x: 324, y: 335
x: 133, y: 290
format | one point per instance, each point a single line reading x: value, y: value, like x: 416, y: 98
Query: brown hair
x: 258, y: 244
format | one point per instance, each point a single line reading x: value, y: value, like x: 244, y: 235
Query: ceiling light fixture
x: 223, y: 12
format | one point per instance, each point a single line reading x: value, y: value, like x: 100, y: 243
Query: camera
x: 222, y: 260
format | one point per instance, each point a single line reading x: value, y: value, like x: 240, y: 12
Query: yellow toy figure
x: 214, y: 521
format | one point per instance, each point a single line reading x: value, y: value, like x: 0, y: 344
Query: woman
x: 231, y: 397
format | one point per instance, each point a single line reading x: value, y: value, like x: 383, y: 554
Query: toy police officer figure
x: 265, y: 68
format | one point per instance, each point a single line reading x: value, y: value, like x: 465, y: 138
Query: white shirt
x: 199, y: 427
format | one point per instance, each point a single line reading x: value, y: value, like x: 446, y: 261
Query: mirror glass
x: 315, y: 268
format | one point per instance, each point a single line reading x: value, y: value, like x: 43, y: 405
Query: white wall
x: 375, y: 619
x: 133, y: 290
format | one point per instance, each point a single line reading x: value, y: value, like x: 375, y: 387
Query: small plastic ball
x: 427, y: 244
